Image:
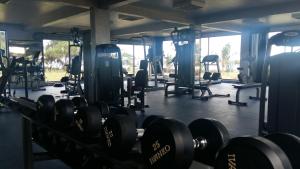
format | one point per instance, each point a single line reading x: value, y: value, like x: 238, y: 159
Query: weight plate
x: 88, y: 120
x: 124, y: 111
x: 79, y: 102
x: 120, y: 134
x: 64, y: 110
x: 290, y: 144
x: 216, y: 136
x: 252, y: 153
x: 166, y: 144
x: 45, y: 108
x: 104, y: 109
x: 149, y: 120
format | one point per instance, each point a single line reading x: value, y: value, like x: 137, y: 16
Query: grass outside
x: 54, y: 74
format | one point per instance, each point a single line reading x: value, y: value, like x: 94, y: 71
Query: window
x: 127, y: 57
x: 169, y: 54
x: 2, y: 40
x: 56, y: 59
x: 228, y: 48
x: 139, y: 55
x: 131, y: 57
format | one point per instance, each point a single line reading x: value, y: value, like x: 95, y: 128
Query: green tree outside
x: 57, y: 52
x: 226, y: 57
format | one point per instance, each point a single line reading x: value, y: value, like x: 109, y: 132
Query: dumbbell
x: 45, y: 108
x: 89, y: 119
x: 77, y: 111
x: 49, y: 111
x: 290, y: 144
x: 121, y: 134
x: 79, y: 102
x: 168, y: 143
x: 276, y: 151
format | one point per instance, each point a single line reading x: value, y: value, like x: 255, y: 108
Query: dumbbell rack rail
x: 95, y: 148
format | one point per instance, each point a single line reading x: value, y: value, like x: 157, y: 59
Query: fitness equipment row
x: 207, y: 141
x: 168, y: 140
x: 164, y: 140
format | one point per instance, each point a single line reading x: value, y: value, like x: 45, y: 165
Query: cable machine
x: 184, y: 61
x: 281, y: 77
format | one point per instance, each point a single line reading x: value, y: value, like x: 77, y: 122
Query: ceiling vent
x: 129, y: 17
x: 4, y: 1
x: 188, y: 4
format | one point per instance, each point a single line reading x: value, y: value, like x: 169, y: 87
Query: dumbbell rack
x: 87, y: 152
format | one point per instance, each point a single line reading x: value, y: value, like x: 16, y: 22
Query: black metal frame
x: 239, y: 88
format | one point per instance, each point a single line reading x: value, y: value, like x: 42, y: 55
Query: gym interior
x: 138, y: 84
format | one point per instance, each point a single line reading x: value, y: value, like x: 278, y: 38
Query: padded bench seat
x: 247, y: 86
x: 240, y: 87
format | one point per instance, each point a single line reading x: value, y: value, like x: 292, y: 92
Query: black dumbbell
x: 290, y: 144
x: 49, y: 111
x: 121, y: 134
x: 45, y: 109
x: 169, y: 143
x: 64, y: 113
x: 89, y: 119
x: 79, y: 102
x: 252, y: 153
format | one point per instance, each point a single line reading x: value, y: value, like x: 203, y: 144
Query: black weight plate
x: 150, y: 119
x: 79, y: 102
x: 290, y: 144
x: 252, y: 153
x: 216, y: 135
x: 45, y: 108
x: 88, y: 119
x: 104, y: 109
x: 123, y: 111
x: 167, y: 144
x: 64, y: 110
x: 120, y: 134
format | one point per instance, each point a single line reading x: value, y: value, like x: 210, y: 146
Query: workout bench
x: 240, y: 87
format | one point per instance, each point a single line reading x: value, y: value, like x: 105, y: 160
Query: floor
x: 239, y: 120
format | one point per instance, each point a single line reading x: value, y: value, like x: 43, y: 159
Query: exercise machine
x: 209, y: 78
x: 72, y: 82
x: 109, y: 75
x: 207, y: 62
x: 280, y: 79
x: 36, y: 72
x: 251, y: 67
x: 136, y: 91
x: 184, y: 62
x: 204, y: 88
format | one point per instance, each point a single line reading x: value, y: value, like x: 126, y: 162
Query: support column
x: 245, y: 52
x: 99, y: 34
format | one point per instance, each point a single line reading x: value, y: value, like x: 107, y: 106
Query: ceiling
x: 152, y: 18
